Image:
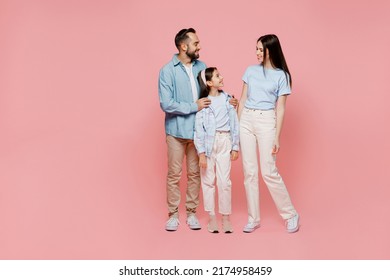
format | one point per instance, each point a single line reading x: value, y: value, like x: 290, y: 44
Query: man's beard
x: 192, y: 55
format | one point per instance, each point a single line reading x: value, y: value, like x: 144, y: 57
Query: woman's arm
x: 280, y: 109
x: 243, y: 98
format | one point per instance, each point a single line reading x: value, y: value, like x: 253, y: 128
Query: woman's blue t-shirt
x: 264, y: 87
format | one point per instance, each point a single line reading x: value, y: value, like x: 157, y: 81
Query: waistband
x: 259, y: 110
x: 221, y: 132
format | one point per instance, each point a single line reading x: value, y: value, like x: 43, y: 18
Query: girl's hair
x: 205, y: 89
x: 271, y: 45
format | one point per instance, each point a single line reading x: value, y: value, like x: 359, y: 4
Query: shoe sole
x: 293, y: 230
x: 228, y: 230
x: 171, y: 229
x: 195, y: 228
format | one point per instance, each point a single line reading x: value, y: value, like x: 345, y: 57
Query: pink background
x: 82, y: 144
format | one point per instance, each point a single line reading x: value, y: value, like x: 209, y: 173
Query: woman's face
x: 260, y: 51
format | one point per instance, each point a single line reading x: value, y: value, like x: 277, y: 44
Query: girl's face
x: 260, y: 52
x: 216, y: 80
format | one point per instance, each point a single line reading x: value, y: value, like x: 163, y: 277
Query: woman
x: 261, y: 113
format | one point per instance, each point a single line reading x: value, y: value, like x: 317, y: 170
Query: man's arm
x: 167, y: 102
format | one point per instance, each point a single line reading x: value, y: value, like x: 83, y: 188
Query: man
x: 179, y: 92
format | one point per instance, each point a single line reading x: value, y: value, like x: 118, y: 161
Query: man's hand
x: 203, y: 103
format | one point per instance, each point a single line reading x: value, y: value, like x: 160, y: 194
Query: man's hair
x: 182, y: 35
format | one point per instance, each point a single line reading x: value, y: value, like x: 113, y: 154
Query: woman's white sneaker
x: 292, y: 224
x: 250, y: 227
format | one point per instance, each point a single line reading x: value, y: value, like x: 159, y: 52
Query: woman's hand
x: 275, y: 147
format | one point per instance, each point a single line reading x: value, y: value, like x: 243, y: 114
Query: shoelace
x: 291, y: 222
x: 251, y: 225
x: 192, y: 220
x: 173, y: 221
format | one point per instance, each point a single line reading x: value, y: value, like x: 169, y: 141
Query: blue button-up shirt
x: 176, y: 99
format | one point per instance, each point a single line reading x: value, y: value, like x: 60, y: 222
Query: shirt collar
x: 176, y: 61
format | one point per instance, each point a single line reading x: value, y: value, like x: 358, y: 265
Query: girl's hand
x: 202, y: 161
x: 233, y: 155
x: 275, y: 147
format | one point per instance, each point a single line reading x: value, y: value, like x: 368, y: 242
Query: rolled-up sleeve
x: 199, y: 133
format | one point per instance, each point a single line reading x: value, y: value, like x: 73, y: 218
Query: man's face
x: 193, y: 46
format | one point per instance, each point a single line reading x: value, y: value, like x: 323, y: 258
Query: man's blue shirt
x: 176, y: 99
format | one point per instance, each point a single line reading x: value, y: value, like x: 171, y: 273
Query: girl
x: 217, y: 142
x: 266, y: 87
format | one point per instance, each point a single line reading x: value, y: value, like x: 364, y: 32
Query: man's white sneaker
x: 172, y: 224
x: 193, y: 222
x: 250, y: 227
x: 292, y: 224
